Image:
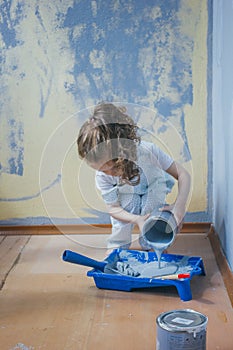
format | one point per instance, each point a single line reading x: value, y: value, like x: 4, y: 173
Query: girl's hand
x: 140, y: 221
x: 178, y: 214
x: 116, y: 211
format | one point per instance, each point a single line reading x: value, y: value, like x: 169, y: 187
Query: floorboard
x: 46, y: 303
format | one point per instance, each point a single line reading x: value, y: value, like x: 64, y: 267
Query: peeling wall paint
x: 58, y: 59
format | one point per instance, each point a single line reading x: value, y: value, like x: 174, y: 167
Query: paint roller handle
x: 80, y: 259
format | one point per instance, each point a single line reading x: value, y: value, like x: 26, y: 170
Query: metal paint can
x: 181, y: 329
x: 161, y: 227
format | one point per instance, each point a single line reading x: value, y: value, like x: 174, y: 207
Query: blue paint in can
x: 159, y: 231
x: 160, y: 228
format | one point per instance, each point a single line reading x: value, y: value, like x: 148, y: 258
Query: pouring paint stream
x: 159, y: 232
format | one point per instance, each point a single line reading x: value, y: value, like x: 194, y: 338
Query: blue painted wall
x: 223, y: 125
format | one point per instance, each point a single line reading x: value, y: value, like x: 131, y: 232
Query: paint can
x: 160, y: 228
x: 181, y: 329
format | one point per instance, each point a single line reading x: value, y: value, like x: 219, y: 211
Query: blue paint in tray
x: 128, y: 283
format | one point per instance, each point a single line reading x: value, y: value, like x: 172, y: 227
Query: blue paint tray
x: 121, y: 282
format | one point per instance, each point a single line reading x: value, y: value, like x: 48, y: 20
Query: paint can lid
x: 182, y: 320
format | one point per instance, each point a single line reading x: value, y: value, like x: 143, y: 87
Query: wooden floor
x: 46, y: 303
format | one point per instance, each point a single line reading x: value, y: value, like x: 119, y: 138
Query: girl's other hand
x: 141, y: 221
x: 178, y: 214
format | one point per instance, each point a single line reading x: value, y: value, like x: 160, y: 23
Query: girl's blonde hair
x: 111, y: 128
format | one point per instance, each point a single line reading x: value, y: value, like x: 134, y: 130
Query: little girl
x: 130, y: 173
